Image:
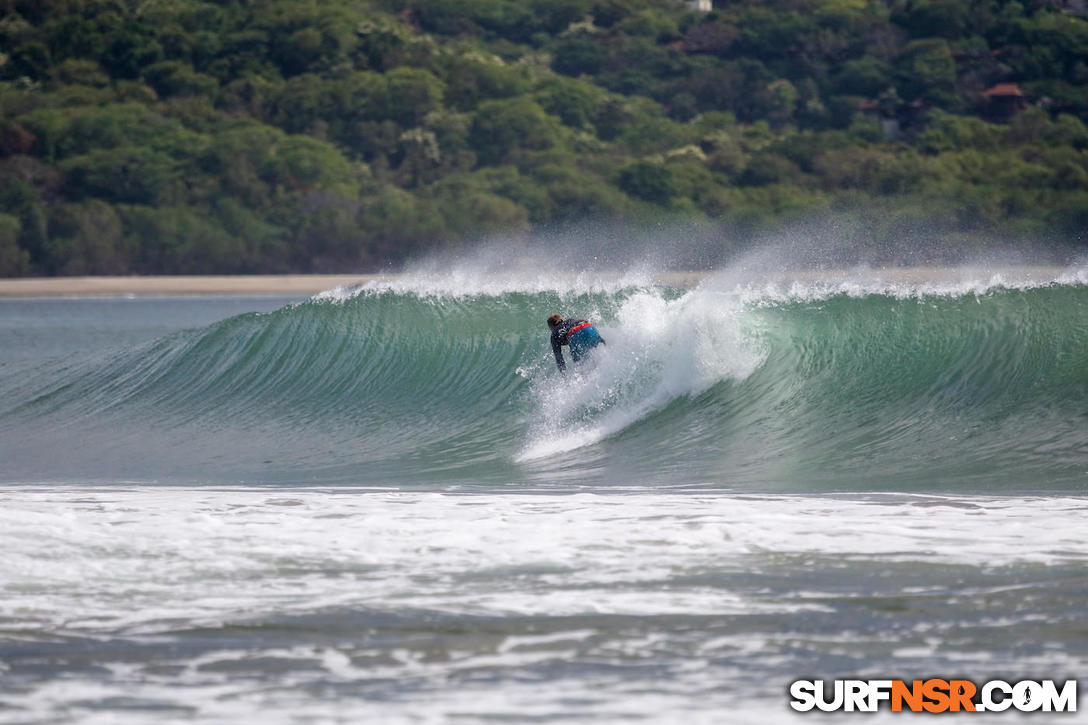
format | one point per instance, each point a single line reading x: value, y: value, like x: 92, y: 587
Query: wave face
x: 445, y: 382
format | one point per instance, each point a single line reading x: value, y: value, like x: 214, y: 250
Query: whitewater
x: 385, y: 504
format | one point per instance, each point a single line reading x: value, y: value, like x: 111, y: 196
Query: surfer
x: 579, y: 335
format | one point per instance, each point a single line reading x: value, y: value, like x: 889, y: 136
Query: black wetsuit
x: 580, y: 335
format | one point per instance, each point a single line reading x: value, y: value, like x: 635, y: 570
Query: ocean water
x: 384, y: 504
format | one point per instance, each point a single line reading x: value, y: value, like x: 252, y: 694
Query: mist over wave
x: 443, y: 377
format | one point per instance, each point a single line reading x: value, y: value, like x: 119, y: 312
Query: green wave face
x: 748, y: 389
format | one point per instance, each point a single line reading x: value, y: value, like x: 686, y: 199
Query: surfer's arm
x: 558, y: 350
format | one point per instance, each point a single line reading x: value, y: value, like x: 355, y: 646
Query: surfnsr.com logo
x: 934, y: 695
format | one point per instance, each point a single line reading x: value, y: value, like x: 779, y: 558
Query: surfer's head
x: 554, y: 320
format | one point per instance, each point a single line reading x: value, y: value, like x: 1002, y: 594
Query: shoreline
x: 180, y: 285
x: 301, y: 285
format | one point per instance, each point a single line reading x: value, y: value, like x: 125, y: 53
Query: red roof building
x: 1004, y: 101
x: 1004, y: 90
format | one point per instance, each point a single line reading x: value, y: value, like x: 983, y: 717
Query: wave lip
x: 776, y: 286
x: 756, y: 285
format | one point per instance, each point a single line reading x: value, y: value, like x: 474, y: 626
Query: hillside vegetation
x: 183, y: 136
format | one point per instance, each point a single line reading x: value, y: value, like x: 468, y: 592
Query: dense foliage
x: 189, y: 136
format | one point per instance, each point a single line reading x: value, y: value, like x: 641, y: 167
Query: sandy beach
x: 167, y: 286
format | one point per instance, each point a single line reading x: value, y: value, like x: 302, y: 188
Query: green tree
x: 182, y: 239
x: 14, y: 260
x: 926, y: 70
x: 309, y: 36
x: 301, y: 162
x: 471, y: 79
x: 477, y: 214
x: 413, y: 93
x: 501, y: 127
x: 866, y: 76
x: 649, y: 182
x: 579, y: 56
x: 398, y: 224
x: 172, y: 78
x: 131, y: 174
x: 575, y: 102
x: 934, y: 18
x: 86, y: 238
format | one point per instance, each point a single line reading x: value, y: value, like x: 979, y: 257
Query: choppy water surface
x: 385, y: 504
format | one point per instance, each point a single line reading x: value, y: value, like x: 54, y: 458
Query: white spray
x: 657, y: 350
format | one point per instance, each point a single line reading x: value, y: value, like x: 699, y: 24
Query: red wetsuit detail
x: 576, y: 328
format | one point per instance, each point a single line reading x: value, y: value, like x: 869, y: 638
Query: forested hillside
x: 232, y: 136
